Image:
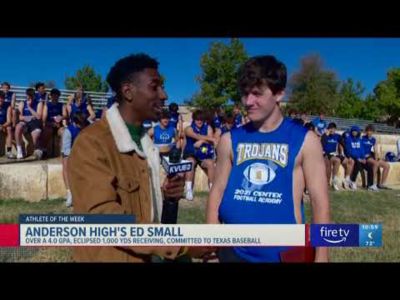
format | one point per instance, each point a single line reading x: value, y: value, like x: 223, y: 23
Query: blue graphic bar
x: 334, y: 235
x: 370, y: 235
x: 75, y: 219
x: 346, y: 235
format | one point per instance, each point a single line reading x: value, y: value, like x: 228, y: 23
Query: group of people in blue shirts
x: 355, y: 151
x: 197, y: 141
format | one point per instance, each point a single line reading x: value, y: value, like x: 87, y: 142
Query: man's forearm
x: 321, y: 216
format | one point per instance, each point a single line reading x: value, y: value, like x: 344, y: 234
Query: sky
x: 26, y: 60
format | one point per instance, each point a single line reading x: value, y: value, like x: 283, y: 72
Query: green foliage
x: 88, y: 79
x: 218, y: 80
x: 314, y: 89
x: 387, y: 93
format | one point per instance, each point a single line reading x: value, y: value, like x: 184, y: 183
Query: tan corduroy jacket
x: 108, y: 174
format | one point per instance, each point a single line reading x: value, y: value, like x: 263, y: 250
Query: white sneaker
x: 68, y: 203
x: 353, y: 186
x: 345, y: 184
x: 335, y: 185
x: 189, y: 195
x: 20, y: 155
x: 373, y: 188
x: 38, y: 154
x: 10, y: 155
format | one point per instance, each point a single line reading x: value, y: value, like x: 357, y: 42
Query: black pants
x: 170, y: 212
x: 358, y: 166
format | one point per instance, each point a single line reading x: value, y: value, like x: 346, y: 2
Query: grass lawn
x: 347, y: 207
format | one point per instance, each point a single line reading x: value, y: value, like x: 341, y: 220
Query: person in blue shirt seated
x: 199, y: 150
x: 347, y: 161
x: 54, y: 113
x: 81, y: 102
x: 40, y: 94
x: 29, y: 117
x: 227, y: 121
x: 373, y: 158
x: 330, y: 146
x: 238, y: 117
x: 5, y: 124
x: 10, y: 99
x: 164, y: 135
x: 355, y: 150
x: 320, y: 124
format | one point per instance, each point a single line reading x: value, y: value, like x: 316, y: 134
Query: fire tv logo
x: 334, y: 235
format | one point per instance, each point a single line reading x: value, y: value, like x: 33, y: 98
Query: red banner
x: 9, y: 235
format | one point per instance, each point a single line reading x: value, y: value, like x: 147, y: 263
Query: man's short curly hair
x: 126, y: 68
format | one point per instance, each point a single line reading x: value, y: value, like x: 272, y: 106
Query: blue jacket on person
x: 354, y: 146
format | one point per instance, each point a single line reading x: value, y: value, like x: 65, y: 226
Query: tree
x: 313, y: 89
x: 387, y: 93
x: 350, y: 104
x: 218, y: 80
x: 88, y: 79
x: 370, y: 109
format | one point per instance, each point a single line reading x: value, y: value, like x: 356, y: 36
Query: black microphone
x: 173, y: 165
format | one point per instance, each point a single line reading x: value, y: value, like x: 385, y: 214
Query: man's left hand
x: 174, y: 187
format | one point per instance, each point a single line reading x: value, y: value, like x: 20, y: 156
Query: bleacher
x: 98, y: 99
x: 343, y: 124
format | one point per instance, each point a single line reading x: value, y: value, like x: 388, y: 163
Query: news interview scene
x: 200, y: 150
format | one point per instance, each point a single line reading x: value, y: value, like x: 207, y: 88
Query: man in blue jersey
x: 5, y: 124
x: 80, y: 101
x: 40, y: 94
x: 10, y: 99
x: 271, y: 156
x: 330, y: 146
x: 237, y: 115
x: 54, y: 112
x: 176, y: 121
x: 164, y: 135
x: 199, y: 150
x: 347, y: 161
x: 320, y: 124
x: 226, y: 125
x: 355, y: 150
x: 374, y: 158
x: 30, y: 115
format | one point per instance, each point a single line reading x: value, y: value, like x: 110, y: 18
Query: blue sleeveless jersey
x: 163, y: 136
x: 26, y: 112
x: 39, y: 97
x: 189, y: 148
x: 237, y: 121
x: 81, y: 108
x: 368, y: 144
x: 74, y: 130
x: 3, y: 113
x: 174, y: 119
x: 8, y: 97
x: 331, y: 142
x: 217, y: 122
x: 260, y: 185
x: 53, y: 110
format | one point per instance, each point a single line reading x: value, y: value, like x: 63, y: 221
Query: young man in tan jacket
x: 114, y: 165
